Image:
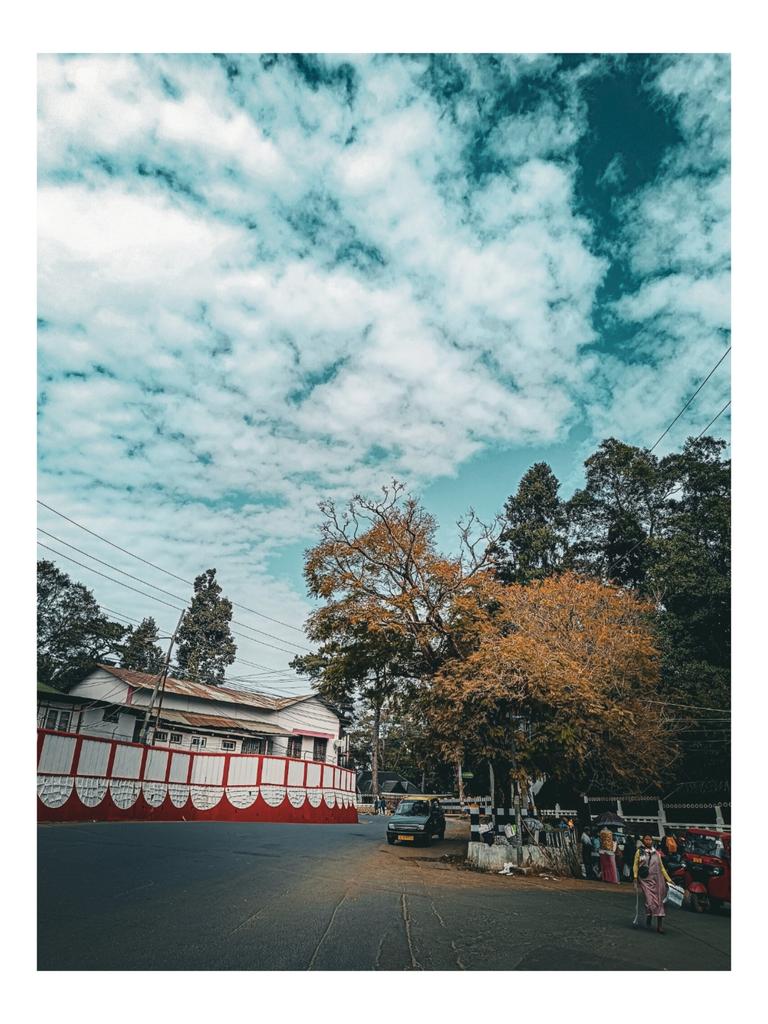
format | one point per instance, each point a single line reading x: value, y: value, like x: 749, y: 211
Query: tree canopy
x: 533, y: 536
x: 569, y: 659
x: 563, y: 681
x: 73, y: 634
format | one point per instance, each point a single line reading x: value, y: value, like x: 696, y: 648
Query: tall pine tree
x: 533, y: 536
x: 205, y: 645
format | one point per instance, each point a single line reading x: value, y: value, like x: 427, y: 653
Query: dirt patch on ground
x: 445, y: 863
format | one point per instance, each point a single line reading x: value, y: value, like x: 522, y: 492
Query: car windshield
x: 704, y: 846
x: 412, y: 808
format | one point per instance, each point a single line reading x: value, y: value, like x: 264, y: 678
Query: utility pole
x: 160, y: 681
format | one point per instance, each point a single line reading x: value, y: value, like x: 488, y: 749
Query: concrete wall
x: 493, y: 858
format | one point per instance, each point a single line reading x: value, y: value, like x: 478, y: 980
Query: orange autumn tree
x: 563, y: 681
x: 377, y: 566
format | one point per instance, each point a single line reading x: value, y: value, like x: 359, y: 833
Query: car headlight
x: 421, y: 827
x: 717, y: 871
x: 391, y: 827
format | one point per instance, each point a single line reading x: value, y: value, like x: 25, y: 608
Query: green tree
x: 140, y: 650
x: 73, y: 634
x: 205, y: 645
x: 662, y: 527
x: 408, y: 745
x: 533, y: 536
x: 617, y: 515
x: 690, y: 581
x: 355, y: 666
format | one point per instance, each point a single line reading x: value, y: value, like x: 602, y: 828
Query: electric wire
x: 698, y: 389
x: 160, y: 590
x: 168, y: 572
x: 276, y: 694
x: 152, y: 597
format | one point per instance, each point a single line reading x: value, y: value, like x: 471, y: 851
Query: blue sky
x: 268, y: 280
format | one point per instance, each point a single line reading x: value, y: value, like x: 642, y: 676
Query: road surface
x: 213, y: 896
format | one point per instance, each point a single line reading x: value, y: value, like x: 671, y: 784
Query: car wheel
x: 441, y: 834
x: 390, y: 839
x: 427, y: 839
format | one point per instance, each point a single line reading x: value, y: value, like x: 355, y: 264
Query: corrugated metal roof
x: 219, y: 722
x: 185, y: 688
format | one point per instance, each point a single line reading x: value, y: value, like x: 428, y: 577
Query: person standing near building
x: 652, y: 878
x: 608, y: 871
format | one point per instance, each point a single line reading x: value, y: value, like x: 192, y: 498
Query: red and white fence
x: 84, y: 778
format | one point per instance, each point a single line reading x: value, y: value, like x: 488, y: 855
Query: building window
x: 260, y: 746
x: 161, y: 737
x: 320, y: 748
x: 294, y: 746
x: 175, y: 737
x: 111, y: 715
x: 50, y: 718
x: 198, y: 741
x: 228, y: 745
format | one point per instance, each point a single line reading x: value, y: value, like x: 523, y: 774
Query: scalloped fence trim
x: 71, y: 795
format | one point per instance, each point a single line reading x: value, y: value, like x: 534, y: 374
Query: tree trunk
x: 460, y: 779
x: 492, y: 781
x: 518, y: 823
x: 375, y: 749
x: 423, y: 779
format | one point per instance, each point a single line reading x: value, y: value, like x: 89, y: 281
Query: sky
x: 269, y: 280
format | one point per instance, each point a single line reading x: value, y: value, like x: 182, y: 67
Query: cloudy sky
x: 265, y: 280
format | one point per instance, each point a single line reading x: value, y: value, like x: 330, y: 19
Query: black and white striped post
x: 475, y: 811
x: 474, y: 823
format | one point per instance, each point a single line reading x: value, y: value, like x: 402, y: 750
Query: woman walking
x: 651, y: 876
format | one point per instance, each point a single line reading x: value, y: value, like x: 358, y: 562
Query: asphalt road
x: 211, y: 896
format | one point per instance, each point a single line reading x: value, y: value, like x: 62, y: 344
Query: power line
x: 692, y: 707
x: 168, y: 572
x: 668, y: 494
x: 241, y: 661
x: 698, y: 389
x: 713, y: 420
x: 152, y: 597
x: 160, y: 590
x: 277, y: 693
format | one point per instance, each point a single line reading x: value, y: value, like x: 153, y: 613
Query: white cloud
x: 677, y: 235
x: 258, y: 292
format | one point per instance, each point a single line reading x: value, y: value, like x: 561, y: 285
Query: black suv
x: 416, y: 820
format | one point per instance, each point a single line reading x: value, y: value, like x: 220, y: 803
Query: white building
x: 111, y: 702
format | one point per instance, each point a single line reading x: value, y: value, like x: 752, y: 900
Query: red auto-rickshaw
x: 705, y: 872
